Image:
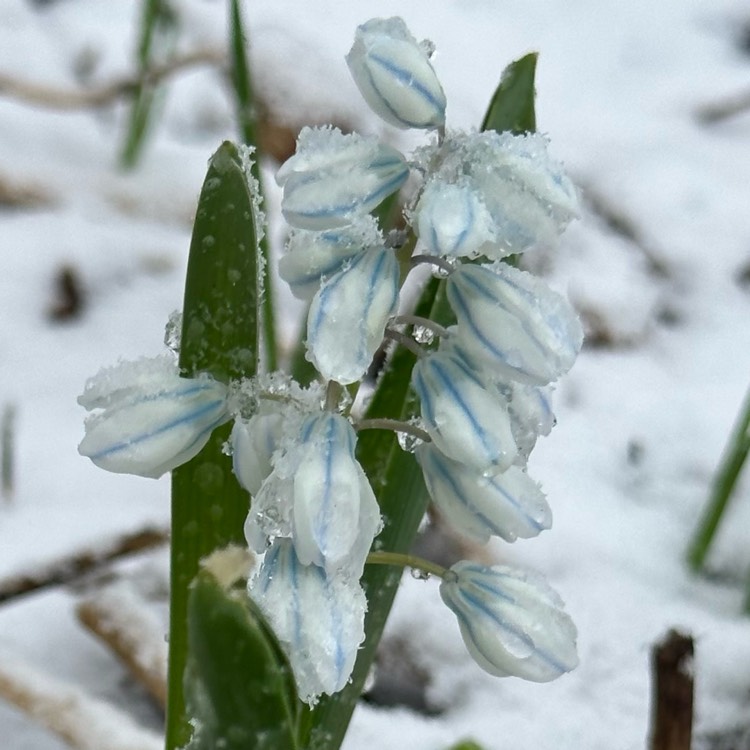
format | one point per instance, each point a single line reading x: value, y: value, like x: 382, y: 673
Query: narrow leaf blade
x: 512, y: 105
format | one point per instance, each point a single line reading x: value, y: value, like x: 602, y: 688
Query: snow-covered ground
x: 658, y: 267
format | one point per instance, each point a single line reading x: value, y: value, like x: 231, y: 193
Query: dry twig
x: 672, y: 709
x: 82, y: 721
x: 68, y: 569
x: 121, y: 618
x: 54, y: 98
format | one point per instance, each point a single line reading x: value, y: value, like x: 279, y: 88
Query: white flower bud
x: 334, y: 178
x: 253, y: 443
x: 465, y: 419
x: 394, y: 74
x: 335, y: 514
x: 318, y: 619
x: 312, y: 257
x: 348, y: 315
x: 512, y: 622
x: 152, y: 420
x: 512, y: 184
x: 452, y: 220
x: 513, y: 323
x: 318, y: 495
x: 508, y: 505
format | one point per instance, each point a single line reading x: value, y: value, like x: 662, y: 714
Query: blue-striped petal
x: 335, y: 513
x: 318, y: 619
x: 527, y: 195
x: 312, y: 257
x: 394, y: 74
x: 512, y: 622
x: 348, y: 315
x: 333, y: 179
x: 465, y: 418
x: 151, y: 419
x: 514, y: 323
x: 452, y: 220
x: 508, y: 505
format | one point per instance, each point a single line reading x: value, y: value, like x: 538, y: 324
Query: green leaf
x: 158, y: 32
x: 219, y: 336
x: 723, y: 487
x: 467, y: 745
x: 239, y: 686
x: 246, y: 112
x: 512, y: 105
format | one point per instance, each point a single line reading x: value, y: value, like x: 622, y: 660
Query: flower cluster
x: 483, y: 383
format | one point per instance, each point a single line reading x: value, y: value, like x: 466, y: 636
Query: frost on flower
x: 149, y: 419
x: 318, y: 496
x: 333, y: 178
x: 394, y: 74
x: 464, y: 418
x: 512, y: 622
x: 312, y: 257
x: 514, y: 323
x: 507, y: 505
x: 319, y: 619
x: 348, y: 315
x: 509, y: 178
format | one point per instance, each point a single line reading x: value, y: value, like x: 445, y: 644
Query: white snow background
x: 642, y: 417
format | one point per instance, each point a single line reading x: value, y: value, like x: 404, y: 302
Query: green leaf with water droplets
x: 220, y: 335
x: 239, y: 687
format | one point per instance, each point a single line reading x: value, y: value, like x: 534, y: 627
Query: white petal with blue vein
x: 334, y: 179
x: 335, y: 514
x: 513, y: 323
x: 511, y: 621
x: 462, y: 414
x: 508, y: 505
x: 452, y: 220
x: 395, y: 76
x: 348, y: 315
x: 313, y: 257
x: 151, y: 419
x: 318, y: 619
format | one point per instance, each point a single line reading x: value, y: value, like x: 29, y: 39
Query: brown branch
x: 54, y: 98
x: 81, y: 720
x: 120, y: 617
x: 68, y: 569
x: 672, y: 709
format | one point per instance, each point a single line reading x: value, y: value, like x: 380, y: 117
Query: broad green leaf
x: 512, y: 105
x: 219, y: 336
x: 239, y: 686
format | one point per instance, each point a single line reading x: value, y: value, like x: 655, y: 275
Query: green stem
x: 406, y: 561
x: 396, y: 425
x: 725, y: 480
